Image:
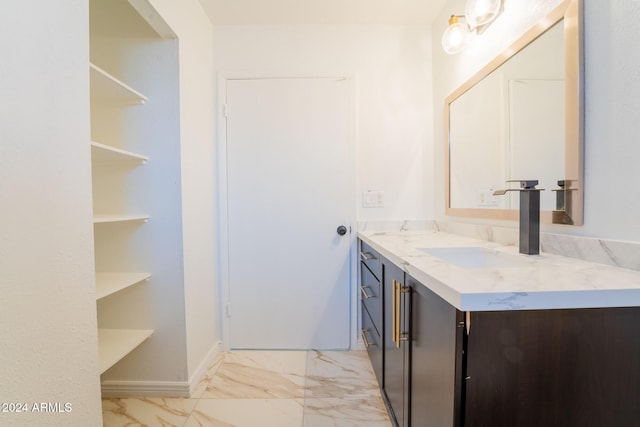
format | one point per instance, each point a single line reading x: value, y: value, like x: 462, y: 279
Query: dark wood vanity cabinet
x: 438, y: 366
x: 436, y: 358
x: 397, y: 348
x: 423, y: 343
x: 556, y: 368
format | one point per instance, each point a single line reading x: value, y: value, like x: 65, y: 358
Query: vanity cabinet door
x: 437, y: 334
x: 396, y: 369
x: 554, y: 368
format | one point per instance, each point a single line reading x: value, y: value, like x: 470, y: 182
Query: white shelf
x: 106, y: 87
x: 107, y: 153
x: 110, y: 283
x: 114, y: 344
x: 104, y: 218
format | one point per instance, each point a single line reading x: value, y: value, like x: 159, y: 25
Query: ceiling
x: 269, y: 12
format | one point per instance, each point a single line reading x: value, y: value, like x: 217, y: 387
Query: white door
x: 289, y: 188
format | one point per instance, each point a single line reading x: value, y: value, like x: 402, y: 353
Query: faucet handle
x: 503, y: 192
x: 527, y: 184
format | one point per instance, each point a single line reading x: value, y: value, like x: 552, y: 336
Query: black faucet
x: 529, y: 215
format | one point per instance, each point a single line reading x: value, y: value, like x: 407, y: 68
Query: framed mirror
x: 521, y: 117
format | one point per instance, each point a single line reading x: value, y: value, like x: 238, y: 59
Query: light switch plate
x: 373, y: 199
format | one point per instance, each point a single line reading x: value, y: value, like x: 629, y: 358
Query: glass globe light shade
x: 481, y: 12
x: 455, y: 37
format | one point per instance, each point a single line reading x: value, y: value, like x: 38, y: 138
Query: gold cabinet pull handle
x: 393, y: 311
x: 398, y: 312
x: 468, y: 322
x: 405, y: 335
x: 365, y: 295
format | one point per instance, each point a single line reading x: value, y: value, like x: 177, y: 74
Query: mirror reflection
x: 521, y: 118
x: 511, y: 126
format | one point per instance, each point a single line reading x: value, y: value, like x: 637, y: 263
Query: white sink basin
x: 475, y: 257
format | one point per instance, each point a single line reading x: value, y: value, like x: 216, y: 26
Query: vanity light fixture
x: 456, y: 35
x: 481, y: 12
x: 478, y: 13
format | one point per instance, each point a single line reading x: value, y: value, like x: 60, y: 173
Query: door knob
x: 342, y: 230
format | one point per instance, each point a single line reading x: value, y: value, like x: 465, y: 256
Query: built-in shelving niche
x: 135, y: 160
x: 108, y: 162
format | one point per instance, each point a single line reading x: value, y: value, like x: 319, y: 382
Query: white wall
x: 612, y: 195
x: 48, y: 338
x: 612, y: 92
x: 392, y: 65
x: 187, y: 19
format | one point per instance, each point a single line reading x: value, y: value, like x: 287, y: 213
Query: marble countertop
x: 544, y: 281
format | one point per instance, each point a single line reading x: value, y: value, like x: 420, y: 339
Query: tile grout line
x: 304, y: 387
x: 199, y: 399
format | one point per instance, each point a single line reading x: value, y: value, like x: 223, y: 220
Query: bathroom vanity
x: 463, y: 332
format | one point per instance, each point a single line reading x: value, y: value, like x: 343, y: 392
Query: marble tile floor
x: 267, y: 389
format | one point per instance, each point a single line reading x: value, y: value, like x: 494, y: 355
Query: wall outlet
x: 486, y: 199
x: 373, y: 199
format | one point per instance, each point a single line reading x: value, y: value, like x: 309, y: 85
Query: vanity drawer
x: 372, y: 341
x: 371, y: 296
x: 370, y: 258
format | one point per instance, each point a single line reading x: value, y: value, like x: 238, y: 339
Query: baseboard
x: 201, y: 371
x: 114, y: 388
x: 145, y: 388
